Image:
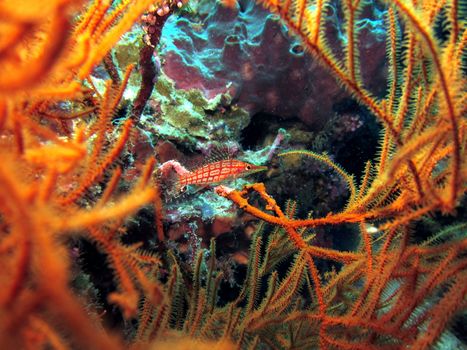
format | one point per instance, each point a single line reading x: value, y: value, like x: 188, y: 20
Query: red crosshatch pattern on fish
x: 217, y: 172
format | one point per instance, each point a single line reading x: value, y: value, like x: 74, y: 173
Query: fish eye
x: 183, y: 189
x: 248, y: 167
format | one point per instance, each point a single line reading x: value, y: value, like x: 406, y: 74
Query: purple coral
x: 248, y: 53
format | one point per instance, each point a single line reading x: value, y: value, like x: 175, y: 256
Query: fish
x: 216, y: 172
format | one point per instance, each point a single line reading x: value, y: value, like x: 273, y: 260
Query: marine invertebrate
x: 417, y: 172
x: 244, y: 49
x: 188, y: 119
x: 58, y: 142
x: 153, y: 22
x: 63, y: 172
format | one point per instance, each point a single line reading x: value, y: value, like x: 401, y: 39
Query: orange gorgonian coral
x: 52, y: 155
x: 60, y: 174
x: 420, y: 169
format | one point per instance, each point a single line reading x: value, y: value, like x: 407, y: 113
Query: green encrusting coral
x: 188, y: 117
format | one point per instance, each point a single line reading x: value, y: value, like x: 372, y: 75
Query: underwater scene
x: 233, y: 174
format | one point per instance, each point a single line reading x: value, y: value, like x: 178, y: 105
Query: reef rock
x: 248, y: 53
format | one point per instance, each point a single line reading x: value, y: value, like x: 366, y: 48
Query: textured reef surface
x: 249, y: 53
x: 205, y: 174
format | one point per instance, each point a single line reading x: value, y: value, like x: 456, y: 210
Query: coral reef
x: 188, y: 118
x: 245, y: 50
x: 96, y: 250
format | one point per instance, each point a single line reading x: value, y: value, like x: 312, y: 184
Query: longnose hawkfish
x: 216, y: 172
x: 211, y: 173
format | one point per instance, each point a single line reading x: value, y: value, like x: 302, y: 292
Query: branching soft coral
x: 417, y: 172
x: 60, y: 145
x: 58, y: 142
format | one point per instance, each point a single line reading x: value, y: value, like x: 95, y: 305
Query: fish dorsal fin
x: 210, y: 154
x: 217, y: 153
